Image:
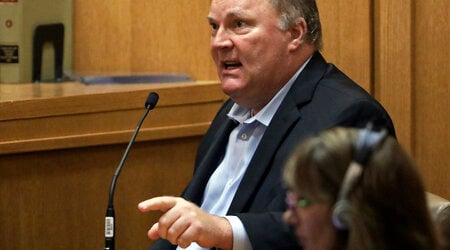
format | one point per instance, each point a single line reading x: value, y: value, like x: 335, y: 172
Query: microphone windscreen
x: 151, y: 101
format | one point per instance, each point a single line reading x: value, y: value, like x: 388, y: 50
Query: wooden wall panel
x: 172, y: 37
x: 347, y: 37
x: 431, y: 73
x: 393, y: 64
x: 142, y: 36
x: 411, y: 79
x: 102, y: 36
x: 57, y: 199
x: 402, y: 59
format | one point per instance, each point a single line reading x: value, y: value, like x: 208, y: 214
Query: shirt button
x: 244, y: 136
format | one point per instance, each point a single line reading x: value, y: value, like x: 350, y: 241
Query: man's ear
x: 298, y: 32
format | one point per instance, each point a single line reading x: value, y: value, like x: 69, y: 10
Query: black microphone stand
x: 152, y: 99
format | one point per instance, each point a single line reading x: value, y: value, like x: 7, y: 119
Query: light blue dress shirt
x: 242, y: 143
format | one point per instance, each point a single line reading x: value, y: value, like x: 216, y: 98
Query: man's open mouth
x: 232, y: 65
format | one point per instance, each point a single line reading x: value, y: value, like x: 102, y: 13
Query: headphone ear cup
x: 341, y: 214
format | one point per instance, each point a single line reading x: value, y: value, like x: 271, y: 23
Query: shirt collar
x: 243, y: 115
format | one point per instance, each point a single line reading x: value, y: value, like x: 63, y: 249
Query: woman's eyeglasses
x: 293, y: 201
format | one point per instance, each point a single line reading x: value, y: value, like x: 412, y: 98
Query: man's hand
x: 183, y: 222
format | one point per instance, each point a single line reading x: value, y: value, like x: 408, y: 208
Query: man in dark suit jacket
x: 307, y: 95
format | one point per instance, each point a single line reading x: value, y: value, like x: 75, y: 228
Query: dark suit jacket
x: 321, y: 97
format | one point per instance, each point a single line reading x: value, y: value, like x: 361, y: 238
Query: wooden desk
x: 37, y: 117
x: 61, y: 143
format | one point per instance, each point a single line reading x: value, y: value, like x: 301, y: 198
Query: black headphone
x: 368, y: 141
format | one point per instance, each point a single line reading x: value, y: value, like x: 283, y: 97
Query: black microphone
x: 150, y: 103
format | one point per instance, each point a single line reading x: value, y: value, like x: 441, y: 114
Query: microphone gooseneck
x: 150, y: 103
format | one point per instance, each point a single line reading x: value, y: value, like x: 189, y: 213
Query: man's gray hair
x: 291, y: 10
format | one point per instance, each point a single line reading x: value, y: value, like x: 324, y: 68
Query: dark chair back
x: 440, y: 210
x: 53, y: 33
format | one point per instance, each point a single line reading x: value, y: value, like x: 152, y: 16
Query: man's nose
x: 221, y: 39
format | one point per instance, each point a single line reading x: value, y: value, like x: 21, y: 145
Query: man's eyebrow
x: 230, y: 13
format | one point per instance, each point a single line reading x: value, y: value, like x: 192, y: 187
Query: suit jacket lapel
x: 260, y: 163
x: 287, y: 115
x: 194, y: 192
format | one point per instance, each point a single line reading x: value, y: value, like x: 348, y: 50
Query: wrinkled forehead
x: 225, y: 8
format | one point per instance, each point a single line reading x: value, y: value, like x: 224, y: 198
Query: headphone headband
x: 368, y: 141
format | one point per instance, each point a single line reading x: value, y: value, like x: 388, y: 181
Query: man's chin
x: 231, y: 87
